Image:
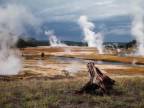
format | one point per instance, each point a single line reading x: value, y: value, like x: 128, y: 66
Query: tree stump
x: 97, y: 82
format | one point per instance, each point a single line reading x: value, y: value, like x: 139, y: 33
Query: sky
x: 113, y: 17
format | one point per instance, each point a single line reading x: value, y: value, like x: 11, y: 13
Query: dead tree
x: 97, y: 81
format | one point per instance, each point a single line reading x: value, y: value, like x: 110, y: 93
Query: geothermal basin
x: 57, y: 62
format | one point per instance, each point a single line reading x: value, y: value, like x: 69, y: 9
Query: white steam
x: 73, y: 68
x: 12, y: 21
x: 93, y: 39
x: 54, y: 41
x: 11, y: 65
x: 137, y: 29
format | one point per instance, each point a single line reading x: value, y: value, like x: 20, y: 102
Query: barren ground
x: 74, y: 60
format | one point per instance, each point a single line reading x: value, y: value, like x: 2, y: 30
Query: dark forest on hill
x: 22, y: 43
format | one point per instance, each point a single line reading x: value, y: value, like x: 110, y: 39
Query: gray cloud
x: 66, y: 10
x: 95, y: 9
x: 71, y: 10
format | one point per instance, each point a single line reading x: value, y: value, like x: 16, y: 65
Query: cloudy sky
x: 113, y: 17
x: 71, y: 10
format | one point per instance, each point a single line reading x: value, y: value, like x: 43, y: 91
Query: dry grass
x: 44, y: 93
x: 127, y: 71
x: 110, y: 58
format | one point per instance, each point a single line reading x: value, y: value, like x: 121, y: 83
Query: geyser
x: 93, y: 39
x: 54, y: 41
x: 137, y: 28
x: 12, y: 21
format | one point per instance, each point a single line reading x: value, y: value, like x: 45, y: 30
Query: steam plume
x: 137, y: 29
x: 93, y: 39
x: 12, y: 21
x: 54, y: 41
x: 73, y: 68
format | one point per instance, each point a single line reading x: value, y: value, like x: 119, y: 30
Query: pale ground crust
x: 52, y: 64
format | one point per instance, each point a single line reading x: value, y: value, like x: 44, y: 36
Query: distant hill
x: 22, y: 43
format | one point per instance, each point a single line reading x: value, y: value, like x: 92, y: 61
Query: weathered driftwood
x: 98, y: 81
